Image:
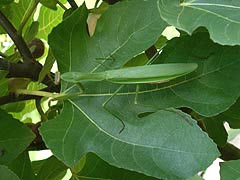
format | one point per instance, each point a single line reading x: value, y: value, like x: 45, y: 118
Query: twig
x: 73, y: 4
x: 11, y: 98
x: 40, y: 110
x: 17, y: 39
x: 61, y: 5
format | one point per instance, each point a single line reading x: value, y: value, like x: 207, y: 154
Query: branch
x: 17, y: 39
x: 22, y: 70
x: 229, y: 152
x: 73, y: 4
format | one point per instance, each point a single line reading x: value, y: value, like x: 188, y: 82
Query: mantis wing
x: 133, y: 75
x: 150, y: 73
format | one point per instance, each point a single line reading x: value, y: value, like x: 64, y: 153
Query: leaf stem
x: 40, y: 110
x: 35, y: 93
x: 27, y: 15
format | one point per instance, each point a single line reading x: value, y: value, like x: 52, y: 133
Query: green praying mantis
x: 157, y: 73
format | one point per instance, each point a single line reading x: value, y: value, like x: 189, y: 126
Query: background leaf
x: 7, y: 174
x: 48, y: 20
x: 14, y: 138
x: 216, y: 130
x: 230, y: 170
x: 22, y: 167
x: 52, y: 169
x: 97, y: 168
x: 220, y: 17
x: 3, y: 2
x: 212, y: 89
x: 16, y: 11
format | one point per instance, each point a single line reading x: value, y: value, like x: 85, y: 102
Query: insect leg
x: 105, y: 107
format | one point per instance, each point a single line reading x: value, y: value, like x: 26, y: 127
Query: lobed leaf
x: 155, y: 145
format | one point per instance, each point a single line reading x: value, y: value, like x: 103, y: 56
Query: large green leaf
x: 14, y: 138
x: 123, y: 31
x: 156, y: 145
x: 220, y: 17
x: 96, y: 168
x: 230, y: 170
x: 22, y: 167
x: 6, y: 173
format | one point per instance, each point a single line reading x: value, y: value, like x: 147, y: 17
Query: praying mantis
x: 155, y: 73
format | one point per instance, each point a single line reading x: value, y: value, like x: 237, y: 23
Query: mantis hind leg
x: 105, y: 107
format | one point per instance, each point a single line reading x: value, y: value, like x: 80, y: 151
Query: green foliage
x: 51, y: 168
x: 22, y: 167
x: 7, y: 174
x: 220, y: 17
x: 157, y: 129
x: 230, y: 170
x: 14, y: 138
